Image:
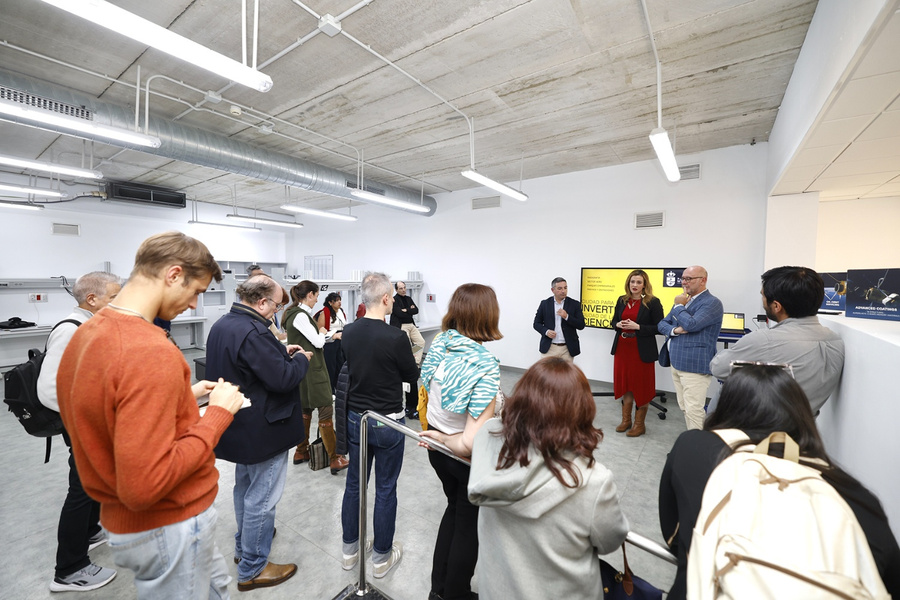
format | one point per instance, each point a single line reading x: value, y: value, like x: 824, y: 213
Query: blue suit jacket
x: 702, y: 321
x: 545, y: 320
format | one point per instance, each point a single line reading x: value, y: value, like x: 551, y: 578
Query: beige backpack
x: 773, y: 528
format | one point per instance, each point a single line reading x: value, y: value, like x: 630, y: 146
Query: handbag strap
x: 627, y: 575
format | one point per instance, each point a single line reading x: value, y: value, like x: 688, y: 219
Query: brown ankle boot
x: 301, y: 454
x: 639, y: 416
x: 626, y: 415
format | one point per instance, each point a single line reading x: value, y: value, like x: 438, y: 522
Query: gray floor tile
x: 308, y: 516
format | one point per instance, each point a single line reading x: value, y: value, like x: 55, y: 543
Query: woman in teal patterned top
x: 463, y: 381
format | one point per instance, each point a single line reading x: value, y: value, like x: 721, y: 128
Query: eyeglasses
x: 690, y: 279
x: 278, y: 305
x: 737, y: 364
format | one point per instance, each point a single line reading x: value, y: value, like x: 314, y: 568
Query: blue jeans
x: 385, y: 447
x: 178, y: 561
x: 257, y: 489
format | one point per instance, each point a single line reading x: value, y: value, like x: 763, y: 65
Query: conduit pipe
x: 207, y: 149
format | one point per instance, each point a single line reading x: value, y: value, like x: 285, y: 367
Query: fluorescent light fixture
x: 39, y: 165
x: 194, y: 222
x: 495, y: 185
x: 318, y: 213
x: 19, y: 111
x: 266, y: 221
x: 22, y: 205
x: 379, y: 199
x: 18, y: 189
x: 149, y: 33
x: 659, y: 137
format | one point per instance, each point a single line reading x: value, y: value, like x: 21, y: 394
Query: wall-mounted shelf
x: 35, y: 284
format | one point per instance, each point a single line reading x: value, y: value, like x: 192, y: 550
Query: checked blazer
x: 702, y: 321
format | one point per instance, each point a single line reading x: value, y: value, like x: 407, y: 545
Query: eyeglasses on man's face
x: 689, y: 279
x: 278, y: 305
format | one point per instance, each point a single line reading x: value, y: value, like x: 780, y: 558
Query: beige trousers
x: 416, y: 341
x: 691, y: 389
x: 561, y: 351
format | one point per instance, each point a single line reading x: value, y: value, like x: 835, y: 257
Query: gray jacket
x: 815, y: 353
x: 537, y: 538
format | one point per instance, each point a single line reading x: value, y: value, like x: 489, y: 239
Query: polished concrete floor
x: 308, y: 516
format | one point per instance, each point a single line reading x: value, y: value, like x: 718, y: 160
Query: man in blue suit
x: 558, y: 319
x: 692, y: 328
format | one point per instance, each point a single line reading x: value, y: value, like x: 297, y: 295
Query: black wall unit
x: 140, y: 193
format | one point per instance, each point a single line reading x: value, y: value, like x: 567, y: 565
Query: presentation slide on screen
x: 602, y: 286
x: 835, y: 291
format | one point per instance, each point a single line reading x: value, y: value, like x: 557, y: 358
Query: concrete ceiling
x: 554, y: 86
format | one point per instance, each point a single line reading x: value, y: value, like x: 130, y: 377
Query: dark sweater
x: 690, y: 463
x: 401, y: 303
x: 380, y: 359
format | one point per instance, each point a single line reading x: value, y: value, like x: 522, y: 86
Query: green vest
x: 315, y: 388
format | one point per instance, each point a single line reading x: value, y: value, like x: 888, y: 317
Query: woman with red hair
x: 547, y: 507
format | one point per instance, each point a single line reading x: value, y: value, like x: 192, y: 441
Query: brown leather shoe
x: 272, y: 574
x: 300, y: 457
x: 338, y: 464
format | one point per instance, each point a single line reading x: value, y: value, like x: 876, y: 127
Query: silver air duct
x: 199, y: 147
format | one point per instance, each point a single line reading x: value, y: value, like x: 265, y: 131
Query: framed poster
x: 835, y: 292
x: 873, y: 294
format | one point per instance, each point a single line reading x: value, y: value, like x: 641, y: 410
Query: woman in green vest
x: 315, y: 388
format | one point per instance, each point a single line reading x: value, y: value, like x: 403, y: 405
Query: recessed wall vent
x: 145, y: 194
x: 65, y: 229
x: 652, y: 220
x: 48, y: 104
x: 689, y: 171
x: 489, y: 202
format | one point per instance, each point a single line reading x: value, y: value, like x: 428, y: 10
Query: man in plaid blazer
x: 692, y: 328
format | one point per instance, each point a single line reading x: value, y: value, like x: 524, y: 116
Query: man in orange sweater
x: 141, y: 447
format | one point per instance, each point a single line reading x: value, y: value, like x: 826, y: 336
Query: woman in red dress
x: 634, y: 347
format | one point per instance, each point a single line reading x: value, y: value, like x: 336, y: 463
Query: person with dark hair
x: 791, y: 297
x: 760, y: 400
x: 332, y: 319
x: 463, y: 381
x: 634, y: 348
x: 547, y: 507
x: 315, y: 389
x: 692, y: 328
x: 241, y: 349
x: 558, y: 319
x: 79, y: 528
x: 402, y: 314
x: 126, y: 399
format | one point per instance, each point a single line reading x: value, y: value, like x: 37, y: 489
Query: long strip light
x: 39, y: 165
x: 379, y: 199
x: 266, y: 221
x: 659, y: 137
x: 22, y: 205
x: 19, y: 189
x: 495, y: 185
x: 211, y: 224
x: 318, y: 213
x: 15, y: 110
x: 137, y: 28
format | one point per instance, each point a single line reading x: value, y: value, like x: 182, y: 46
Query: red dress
x: 630, y: 373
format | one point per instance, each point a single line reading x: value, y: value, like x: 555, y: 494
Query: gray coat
x: 537, y: 538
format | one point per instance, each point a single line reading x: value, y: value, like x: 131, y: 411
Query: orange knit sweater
x: 141, y: 448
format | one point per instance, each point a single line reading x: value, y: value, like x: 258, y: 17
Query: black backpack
x: 20, y: 389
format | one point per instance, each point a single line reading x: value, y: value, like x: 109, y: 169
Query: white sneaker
x: 98, y: 539
x: 382, y: 569
x: 348, y: 561
x: 89, y: 578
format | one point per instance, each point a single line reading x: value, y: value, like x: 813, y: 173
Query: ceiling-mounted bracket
x: 329, y: 25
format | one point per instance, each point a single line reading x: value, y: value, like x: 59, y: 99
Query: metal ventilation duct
x: 199, y: 147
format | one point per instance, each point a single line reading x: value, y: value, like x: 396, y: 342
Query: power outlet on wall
x: 37, y: 297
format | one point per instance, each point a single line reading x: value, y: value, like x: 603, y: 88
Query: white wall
x: 791, y: 225
x: 111, y: 232
x: 858, y: 234
x: 571, y: 221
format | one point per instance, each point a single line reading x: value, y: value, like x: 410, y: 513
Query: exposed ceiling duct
x: 192, y: 145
